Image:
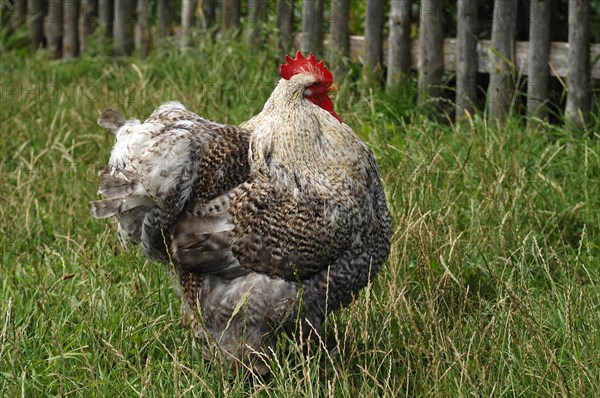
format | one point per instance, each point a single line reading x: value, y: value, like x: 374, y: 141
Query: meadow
x: 492, y: 287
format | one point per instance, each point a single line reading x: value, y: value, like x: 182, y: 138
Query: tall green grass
x: 491, y: 288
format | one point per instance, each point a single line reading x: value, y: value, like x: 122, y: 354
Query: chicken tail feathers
x: 119, y: 183
x: 111, y: 120
x: 107, y: 207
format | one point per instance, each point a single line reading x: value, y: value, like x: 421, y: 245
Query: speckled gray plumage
x: 288, y: 205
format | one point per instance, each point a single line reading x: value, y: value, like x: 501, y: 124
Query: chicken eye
x: 315, y: 84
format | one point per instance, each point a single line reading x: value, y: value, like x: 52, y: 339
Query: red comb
x: 293, y: 66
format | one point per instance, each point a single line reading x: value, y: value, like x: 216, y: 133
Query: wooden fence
x: 65, y: 27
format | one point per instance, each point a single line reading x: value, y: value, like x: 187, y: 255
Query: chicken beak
x: 333, y: 88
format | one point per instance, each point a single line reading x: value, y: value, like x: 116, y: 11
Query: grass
x: 491, y: 288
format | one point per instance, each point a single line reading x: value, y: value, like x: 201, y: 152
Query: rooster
x: 269, y: 226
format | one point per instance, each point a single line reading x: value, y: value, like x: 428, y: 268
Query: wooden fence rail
x: 558, y: 59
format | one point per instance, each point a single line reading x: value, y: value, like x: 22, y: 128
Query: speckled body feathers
x: 289, y: 204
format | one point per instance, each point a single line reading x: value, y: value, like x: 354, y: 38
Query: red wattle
x: 324, y: 102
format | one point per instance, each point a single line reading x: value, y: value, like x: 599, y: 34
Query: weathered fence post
x: 123, y: 27
x: 142, y: 28
x: 187, y: 20
x: 231, y: 14
x: 105, y: 16
x: 19, y: 14
x: 55, y: 27
x: 539, y: 54
x: 312, y: 27
x: 257, y: 18
x: 86, y: 24
x: 578, y: 79
x: 502, y: 59
x: 164, y: 16
x: 285, y: 24
x: 209, y: 15
x: 71, y: 34
x: 35, y: 24
x: 431, y: 50
x: 466, y: 56
x: 398, y: 61
x: 372, y: 65
x: 339, y: 28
